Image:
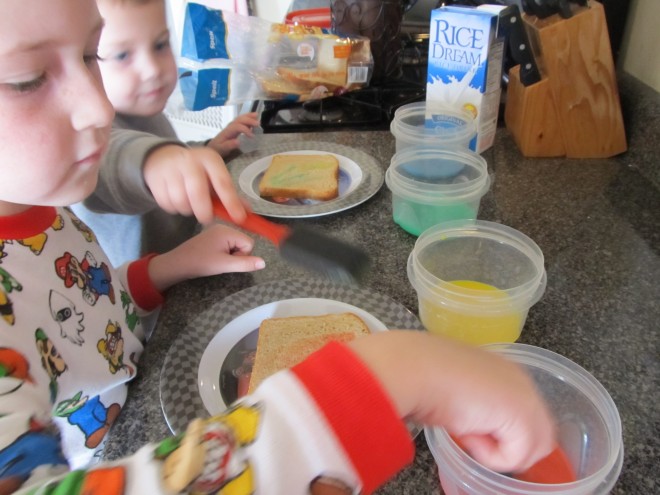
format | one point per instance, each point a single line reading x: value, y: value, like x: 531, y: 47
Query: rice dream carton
x: 465, y: 67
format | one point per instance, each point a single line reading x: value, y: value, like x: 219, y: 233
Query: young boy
x: 69, y: 332
x: 129, y: 215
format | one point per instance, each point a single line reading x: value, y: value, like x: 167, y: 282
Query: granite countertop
x: 597, y: 222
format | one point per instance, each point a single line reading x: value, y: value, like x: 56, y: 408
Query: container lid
x: 310, y: 17
x: 442, y: 126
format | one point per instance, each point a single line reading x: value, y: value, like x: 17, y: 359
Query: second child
x: 142, y: 202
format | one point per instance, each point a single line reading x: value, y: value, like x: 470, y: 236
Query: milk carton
x: 465, y: 67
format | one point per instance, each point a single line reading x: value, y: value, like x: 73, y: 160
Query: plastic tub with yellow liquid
x: 476, y: 280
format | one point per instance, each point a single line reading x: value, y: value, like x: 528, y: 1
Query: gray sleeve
x: 121, y: 187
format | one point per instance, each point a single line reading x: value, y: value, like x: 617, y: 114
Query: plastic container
x: 476, y: 280
x: 451, y: 128
x: 431, y: 185
x: 589, y: 433
x: 247, y: 144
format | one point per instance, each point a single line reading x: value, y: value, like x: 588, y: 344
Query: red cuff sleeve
x: 144, y: 294
x: 359, y: 411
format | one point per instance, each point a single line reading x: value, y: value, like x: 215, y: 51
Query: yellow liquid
x: 474, y: 327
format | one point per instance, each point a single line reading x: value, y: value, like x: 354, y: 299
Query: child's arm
x: 141, y: 171
x: 327, y: 405
x: 478, y: 396
x: 121, y: 187
x: 215, y: 250
x: 227, y: 140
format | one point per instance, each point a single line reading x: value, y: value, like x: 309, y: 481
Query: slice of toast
x: 284, y: 342
x: 301, y: 177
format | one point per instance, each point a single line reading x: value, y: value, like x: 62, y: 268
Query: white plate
x: 180, y: 392
x: 217, y: 376
x: 350, y: 177
x: 360, y: 177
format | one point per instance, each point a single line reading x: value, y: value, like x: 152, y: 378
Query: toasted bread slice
x: 329, y: 78
x: 301, y: 177
x: 284, y: 342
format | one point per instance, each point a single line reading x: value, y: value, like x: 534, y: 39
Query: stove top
x: 369, y: 108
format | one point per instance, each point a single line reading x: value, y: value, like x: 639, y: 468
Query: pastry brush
x: 306, y: 247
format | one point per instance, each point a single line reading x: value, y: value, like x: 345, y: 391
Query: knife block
x: 574, y: 111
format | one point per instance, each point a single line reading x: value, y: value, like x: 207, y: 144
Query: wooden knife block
x: 574, y: 111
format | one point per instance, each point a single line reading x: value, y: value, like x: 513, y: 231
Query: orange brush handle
x: 275, y: 233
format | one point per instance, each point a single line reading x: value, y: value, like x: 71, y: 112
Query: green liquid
x: 415, y: 218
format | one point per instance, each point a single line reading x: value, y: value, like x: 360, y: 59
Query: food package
x: 228, y: 58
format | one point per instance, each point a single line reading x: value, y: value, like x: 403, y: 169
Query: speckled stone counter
x: 598, y: 224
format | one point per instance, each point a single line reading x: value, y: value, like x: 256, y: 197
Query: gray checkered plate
x: 360, y: 177
x: 202, y: 371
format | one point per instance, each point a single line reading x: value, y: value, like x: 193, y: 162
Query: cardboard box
x: 465, y: 67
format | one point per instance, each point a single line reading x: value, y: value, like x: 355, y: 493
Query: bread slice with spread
x: 301, y: 177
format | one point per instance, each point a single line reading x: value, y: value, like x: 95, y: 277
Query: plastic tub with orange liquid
x: 589, y: 454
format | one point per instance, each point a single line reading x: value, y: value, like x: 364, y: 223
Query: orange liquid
x: 473, y: 326
x: 555, y: 468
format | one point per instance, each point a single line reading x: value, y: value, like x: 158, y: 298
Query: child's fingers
x: 502, y: 456
x: 523, y: 437
x: 207, y: 178
x: 224, y: 188
x: 242, y: 263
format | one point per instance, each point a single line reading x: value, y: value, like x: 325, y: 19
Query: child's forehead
x: 29, y: 25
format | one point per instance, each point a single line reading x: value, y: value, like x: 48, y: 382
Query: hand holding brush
x: 312, y: 250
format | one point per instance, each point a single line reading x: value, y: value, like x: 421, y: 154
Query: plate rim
x: 178, y: 392
x: 375, y: 324
x: 373, y: 178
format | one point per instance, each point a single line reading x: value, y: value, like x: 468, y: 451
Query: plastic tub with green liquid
x: 432, y: 185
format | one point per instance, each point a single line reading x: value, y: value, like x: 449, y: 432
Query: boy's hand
x: 217, y: 249
x: 487, y: 402
x: 183, y: 180
x: 227, y: 140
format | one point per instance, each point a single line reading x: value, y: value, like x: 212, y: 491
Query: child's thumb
x: 244, y: 264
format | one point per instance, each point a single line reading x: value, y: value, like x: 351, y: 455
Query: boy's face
x: 138, y: 67
x: 54, y: 116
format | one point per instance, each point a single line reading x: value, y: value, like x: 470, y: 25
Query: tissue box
x: 465, y: 66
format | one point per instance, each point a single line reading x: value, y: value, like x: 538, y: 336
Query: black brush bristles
x: 330, y: 257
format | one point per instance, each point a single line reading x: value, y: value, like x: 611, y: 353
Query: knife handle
x: 254, y: 223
